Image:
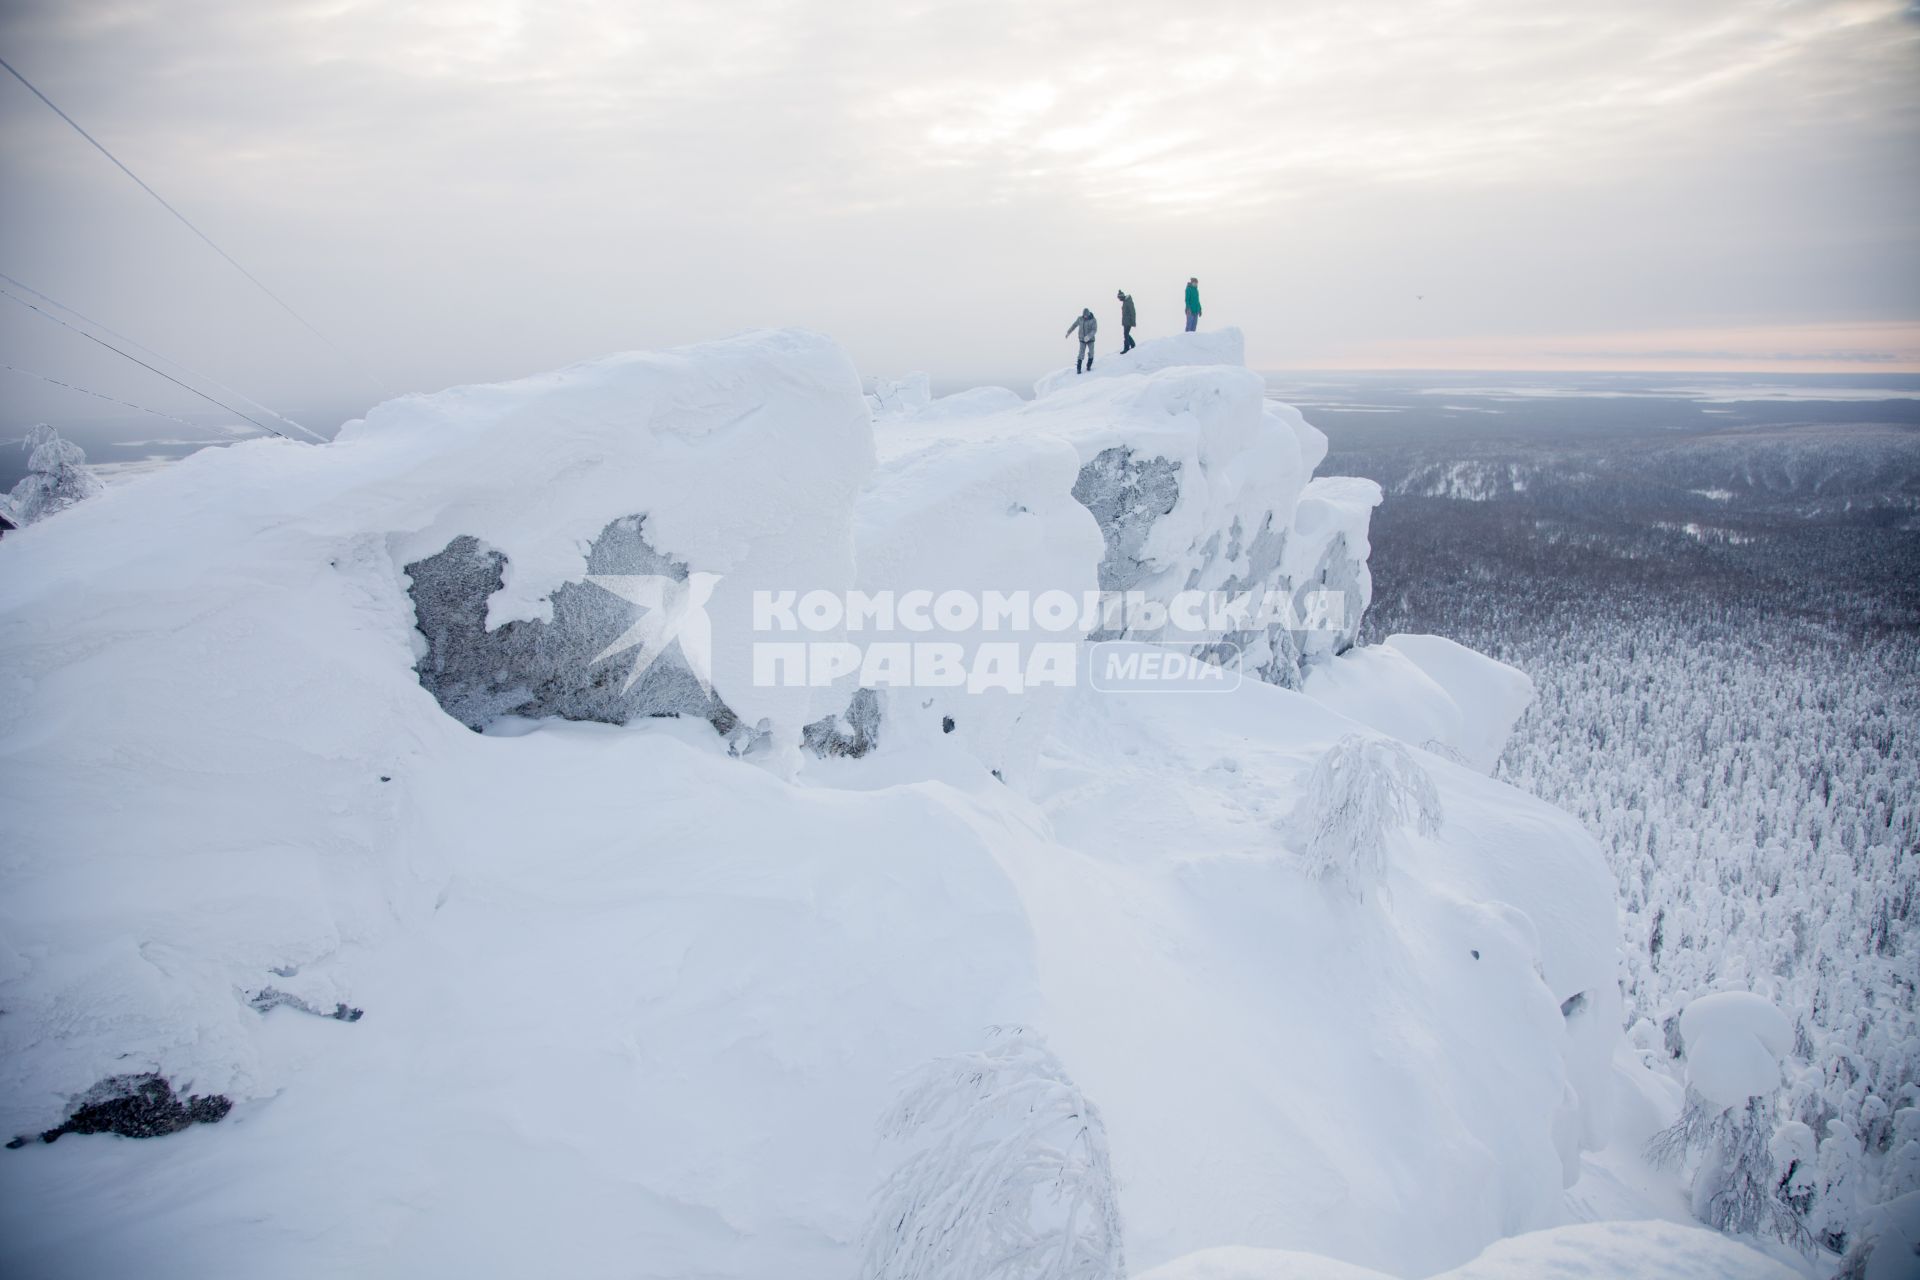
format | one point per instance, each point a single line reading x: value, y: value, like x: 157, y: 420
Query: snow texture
x: 1734, y: 1041
x: 1591, y: 1251
x: 1428, y: 692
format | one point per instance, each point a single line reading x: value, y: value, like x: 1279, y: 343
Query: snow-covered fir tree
x: 57, y: 476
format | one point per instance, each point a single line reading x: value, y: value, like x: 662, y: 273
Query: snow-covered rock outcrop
x: 1202, y: 484
x: 1200, y: 490
x: 552, y: 497
x: 630, y: 1005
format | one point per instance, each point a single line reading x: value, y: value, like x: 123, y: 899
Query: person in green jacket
x: 1193, y: 303
x: 1126, y: 321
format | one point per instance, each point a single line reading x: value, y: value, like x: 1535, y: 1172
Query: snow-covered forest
x: 1722, y: 620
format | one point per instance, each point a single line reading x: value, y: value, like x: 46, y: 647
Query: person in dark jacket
x: 1126, y: 321
x: 1084, y: 324
x: 1193, y: 304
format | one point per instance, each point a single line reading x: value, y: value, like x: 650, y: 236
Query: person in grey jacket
x: 1126, y: 322
x: 1085, y: 325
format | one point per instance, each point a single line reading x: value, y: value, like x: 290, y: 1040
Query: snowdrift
x: 1428, y: 691
x: 1641, y: 1250
x: 621, y: 985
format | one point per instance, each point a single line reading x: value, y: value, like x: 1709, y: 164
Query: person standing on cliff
x: 1126, y: 321
x: 1085, y: 325
x: 1193, y: 303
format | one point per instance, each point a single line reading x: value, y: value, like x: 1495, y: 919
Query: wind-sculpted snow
x: 1428, y: 692
x: 629, y: 1004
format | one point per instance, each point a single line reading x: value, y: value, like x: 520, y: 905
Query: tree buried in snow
x: 1009, y: 1179
x: 1362, y: 790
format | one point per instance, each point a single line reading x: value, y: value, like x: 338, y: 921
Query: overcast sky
x: 460, y: 190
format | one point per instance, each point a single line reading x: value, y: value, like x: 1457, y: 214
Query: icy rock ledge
x: 536, y: 667
x: 1232, y: 509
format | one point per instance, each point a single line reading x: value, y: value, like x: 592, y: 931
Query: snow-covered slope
x: 631, y: 1003
x: 1603, y: 1251
x: 1430, y: 692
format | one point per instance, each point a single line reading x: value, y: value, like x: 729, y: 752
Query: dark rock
x: 270, y: 998
x: 138, y: 1106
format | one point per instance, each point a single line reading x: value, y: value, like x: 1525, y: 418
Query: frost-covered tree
x: 1748, y: 1176
x: 1006, y: 1174
x: 57, y: 476
x: 1738, y: 1186
x: 1361, y: 791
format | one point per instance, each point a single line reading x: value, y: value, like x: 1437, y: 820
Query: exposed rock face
x: 1270, y: 652
x: 852, y: 733
x: 268, y: 999
x: 534, y: 668
x: 137, y: 1106
x: 1344, y: 574
x: 1127, y: 494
